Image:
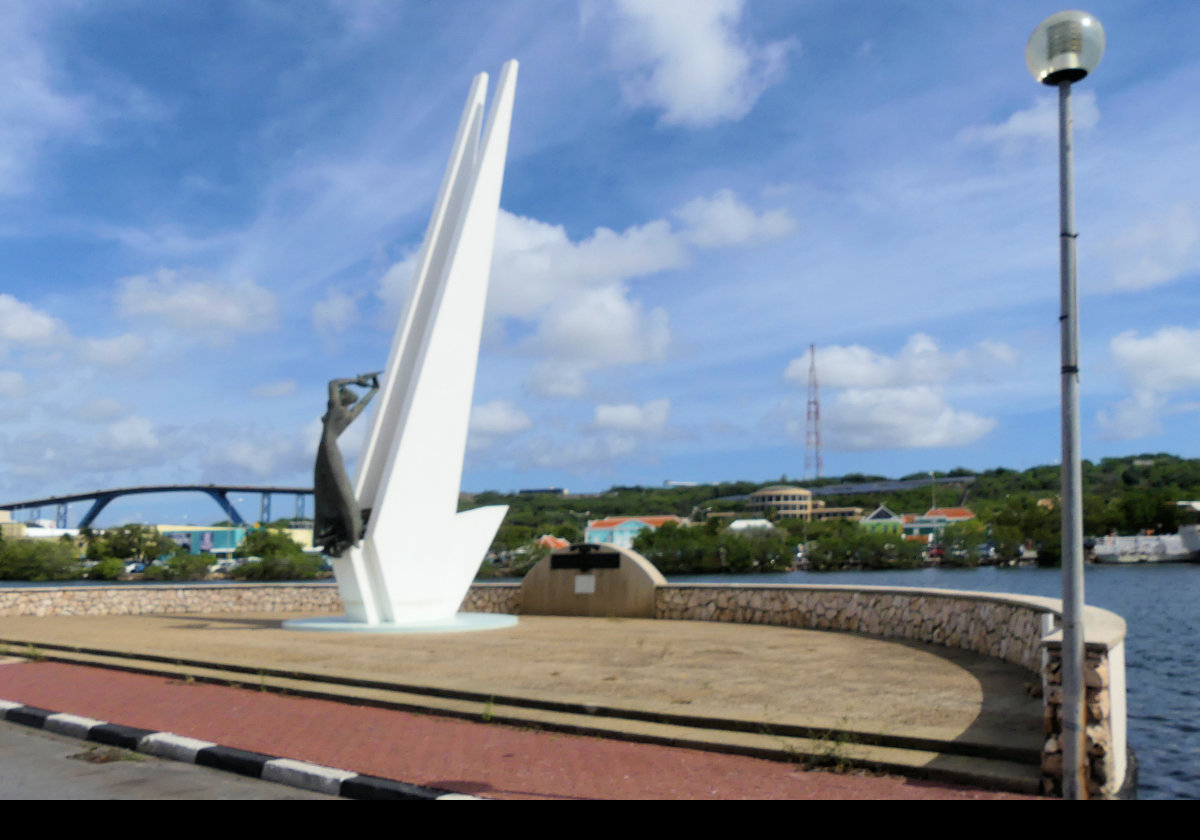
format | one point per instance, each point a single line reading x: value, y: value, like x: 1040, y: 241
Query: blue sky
x: 208, y: 210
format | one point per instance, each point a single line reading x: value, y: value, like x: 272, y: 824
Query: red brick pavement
x: 484, y: 759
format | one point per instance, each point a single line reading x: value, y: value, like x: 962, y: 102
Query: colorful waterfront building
x: 790, y: 502
x: 622, y: 530
x: 930, y: 526
x: 882, y: 521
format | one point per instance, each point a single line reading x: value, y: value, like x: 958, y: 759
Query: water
x: 1160, y: 605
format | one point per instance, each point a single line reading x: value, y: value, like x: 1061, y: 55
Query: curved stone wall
x: 1005, y: 627
x: 493, y: 598
x: 134, y: 599
x: 1022, y: 629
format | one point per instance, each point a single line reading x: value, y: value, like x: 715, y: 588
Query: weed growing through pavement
x: 107, y: 755
x: 487, y: 710
x: 833, y: 755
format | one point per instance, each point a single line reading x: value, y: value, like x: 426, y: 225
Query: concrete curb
x: 284, y: 771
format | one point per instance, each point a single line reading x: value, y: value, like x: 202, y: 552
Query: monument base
x: 459, y: 623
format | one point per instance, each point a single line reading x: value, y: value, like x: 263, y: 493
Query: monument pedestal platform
x: 460, y: 623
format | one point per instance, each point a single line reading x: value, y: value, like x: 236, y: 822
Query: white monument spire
x: 419, y: 555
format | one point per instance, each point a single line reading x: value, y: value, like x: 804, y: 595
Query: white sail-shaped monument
x: 418, y: 554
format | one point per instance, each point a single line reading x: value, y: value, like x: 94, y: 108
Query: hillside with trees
x: 1127, y: 495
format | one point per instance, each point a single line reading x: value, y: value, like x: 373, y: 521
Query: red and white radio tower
x: 812, y: 437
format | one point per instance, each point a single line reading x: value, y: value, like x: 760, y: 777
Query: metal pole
x: 1074, y: 754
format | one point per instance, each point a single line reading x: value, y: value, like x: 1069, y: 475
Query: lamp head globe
x: 1065, y: 47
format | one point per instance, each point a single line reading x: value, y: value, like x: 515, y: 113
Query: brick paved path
x: 484, y: 759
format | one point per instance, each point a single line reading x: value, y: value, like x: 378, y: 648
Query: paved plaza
x: 469, y: 712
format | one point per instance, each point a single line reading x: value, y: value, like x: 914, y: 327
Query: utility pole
x: 812, y: 437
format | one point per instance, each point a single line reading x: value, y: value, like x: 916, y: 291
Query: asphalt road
x: 35, y: 764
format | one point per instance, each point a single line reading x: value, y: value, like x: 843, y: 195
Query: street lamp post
x: 1062, y: 50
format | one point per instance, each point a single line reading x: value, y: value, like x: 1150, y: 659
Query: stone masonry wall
x: 493, y: 598
x: 989, y: 626
x: 218, y: 598
x: 139, y: 600
x: 1101, y: 768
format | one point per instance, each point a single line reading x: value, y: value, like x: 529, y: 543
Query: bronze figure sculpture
x: 338, y: 522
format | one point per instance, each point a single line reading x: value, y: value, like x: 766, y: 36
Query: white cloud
x: 120, y: 449
x: 617, y: 432
x: 24, y: 325
x: 578, y: 295
x: 499, y: 417
x: 899, y: 402
x: 998, y: 353
x: 722, y: 221
x: 900, y: 418
x: 132, y: 434
x: 1168, y: 360
x: 396, y: 282
x: 592, y: 329
x: 230, y: 452
x: 919, y: 362
x: 1135, y: 417
x: 335, y: 314
x: 648, y: 418
x: 1159, y: 250
x: 535, y: 262
x: 216, y: 308
x: 274, y: 389
x: 1164, y: 362
x: 113, y: 352
x: 1038, y: 123
x: 556, y: 379
x: 604, y: 327
x: 496, y: 419
x: 12, y: 384
x: 100, y: 410
x: 33, y: 112
x: 584, y: 453
x: 240, y: 458
x: 688, y: 60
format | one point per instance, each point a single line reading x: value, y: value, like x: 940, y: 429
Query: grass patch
x: 106, y: 755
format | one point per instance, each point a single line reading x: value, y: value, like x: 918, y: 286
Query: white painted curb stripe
x: 286, y: 771
x: 169, y: 745
x: 73, y: 725
x: 301, y: 774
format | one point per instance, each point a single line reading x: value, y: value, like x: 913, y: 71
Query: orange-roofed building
x: 551, y: 542
x: 621, y: 530
x: 927, y: 527
x: 950, y: 514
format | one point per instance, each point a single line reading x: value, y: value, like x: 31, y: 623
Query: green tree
x: 37, y: 560
x: 130, y: 542
x: 279, y: 558
x: 108, y: 569
x: 182, y: 566
x: 269, y: 543
x: 961, y: 541
x: 303, y: 567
